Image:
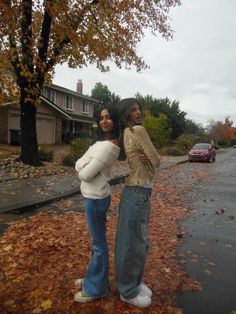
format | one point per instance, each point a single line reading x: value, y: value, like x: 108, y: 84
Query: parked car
x: 202, y: 152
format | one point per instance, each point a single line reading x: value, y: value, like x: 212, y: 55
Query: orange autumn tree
x: 226, y: 131
x: 8, y: 87
x: 221, y: 132
x: 37, y: 35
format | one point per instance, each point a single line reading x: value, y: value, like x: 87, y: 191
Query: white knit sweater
x: 94, y: 169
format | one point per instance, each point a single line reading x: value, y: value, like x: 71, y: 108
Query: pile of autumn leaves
x: 41, y: 257
x: 13, y: 168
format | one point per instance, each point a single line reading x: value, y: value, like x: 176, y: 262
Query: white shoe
x: 145, y: 290
x: 83, y: 297
x: 79, y: 283
x: 140, y: 300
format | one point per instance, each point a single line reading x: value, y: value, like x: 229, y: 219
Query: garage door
x: 46, y: 131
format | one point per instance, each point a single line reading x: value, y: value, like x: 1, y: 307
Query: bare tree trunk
x: 29, y: 144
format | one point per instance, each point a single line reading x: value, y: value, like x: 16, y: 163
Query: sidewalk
x: 21, y: 193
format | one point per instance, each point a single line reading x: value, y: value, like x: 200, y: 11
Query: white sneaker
x: 145, y: 290
x: 140, y: 300
x: 83, y: 297
x: 79, y: 283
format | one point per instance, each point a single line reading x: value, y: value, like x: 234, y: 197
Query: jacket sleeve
x: 93, y: 168
x: 147, y: 146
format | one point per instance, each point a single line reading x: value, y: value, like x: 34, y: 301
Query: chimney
x: 79, y: 87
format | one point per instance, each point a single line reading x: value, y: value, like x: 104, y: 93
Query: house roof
x: 60, y: 110
x: 71, y: 92
x: 67, y: 116
x: 83, y: 118
x: 55, y: 107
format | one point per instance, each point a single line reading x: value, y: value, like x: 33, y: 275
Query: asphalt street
x: 209, y: 245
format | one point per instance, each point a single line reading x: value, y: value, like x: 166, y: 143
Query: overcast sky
x: 197, y: 67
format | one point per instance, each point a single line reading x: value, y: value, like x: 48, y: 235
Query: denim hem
x: 130, y: 296
x: 96, y: 297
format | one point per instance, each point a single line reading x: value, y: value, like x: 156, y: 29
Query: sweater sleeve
x: 93, y: 168
x: 83, y: 160
x: 80, y: 163
x: 147, y: 146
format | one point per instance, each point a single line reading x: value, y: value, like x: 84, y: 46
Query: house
x: 62, y: 115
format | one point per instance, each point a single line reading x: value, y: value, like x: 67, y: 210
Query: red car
x: 202, y: 152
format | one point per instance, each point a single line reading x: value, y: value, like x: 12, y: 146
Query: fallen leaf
x: 208, y: 272
x: 46, y: 304
x: 7, y: 248
x: 37, y: 311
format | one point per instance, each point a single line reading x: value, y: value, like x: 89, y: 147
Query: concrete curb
x: 46, y: 200
x: 41, y: 202
x: 67, y: 194
x: 177, y: 163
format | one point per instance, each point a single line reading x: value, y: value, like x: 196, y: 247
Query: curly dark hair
x: 116, y: 131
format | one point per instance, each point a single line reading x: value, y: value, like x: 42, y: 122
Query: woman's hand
x: 145, y: 160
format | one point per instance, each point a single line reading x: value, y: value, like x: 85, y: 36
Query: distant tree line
x: 167, y: 124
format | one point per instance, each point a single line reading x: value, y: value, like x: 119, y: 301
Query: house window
x: 68, y: 102
x: 51, y: 95
x: 85, y: 108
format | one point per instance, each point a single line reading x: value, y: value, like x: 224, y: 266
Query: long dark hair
x: 116, y: 131
x: 125, y: 108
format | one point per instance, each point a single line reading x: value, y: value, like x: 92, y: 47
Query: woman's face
x: 136, y: 115
x: 105, y: 121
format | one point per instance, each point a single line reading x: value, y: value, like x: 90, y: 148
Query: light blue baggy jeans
x: 131, y: 243
x: 96, y: 282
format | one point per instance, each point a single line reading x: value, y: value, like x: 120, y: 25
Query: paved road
x: 210, y: 243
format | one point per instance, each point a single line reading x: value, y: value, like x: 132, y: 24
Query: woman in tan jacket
x: 131, y: 244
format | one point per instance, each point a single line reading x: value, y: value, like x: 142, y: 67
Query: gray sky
x: 197, y: 67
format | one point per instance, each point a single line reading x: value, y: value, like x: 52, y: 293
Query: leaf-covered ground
x: 12, y: 168
x: 41, y: 256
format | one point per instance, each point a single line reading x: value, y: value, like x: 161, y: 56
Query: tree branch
x: 57, y: 49
x: 15, y: 58
x: 43, y: 43
x: 45, y: 33
x: 26, y: 35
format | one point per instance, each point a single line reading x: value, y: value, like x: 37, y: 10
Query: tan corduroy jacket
x: 137, y: 142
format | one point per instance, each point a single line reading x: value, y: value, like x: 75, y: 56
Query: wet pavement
x: 209, y: 247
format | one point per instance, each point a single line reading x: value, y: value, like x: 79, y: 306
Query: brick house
x: 62, y: 115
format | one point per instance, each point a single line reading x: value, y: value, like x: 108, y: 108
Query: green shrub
x: 217, y: 146
x: 69, y: 160
x: 158, y: 129
x: 77, y: 147
x: 185, y: 142
x: 172, y: 151
x: 45, y: 154
x: 4, y: 155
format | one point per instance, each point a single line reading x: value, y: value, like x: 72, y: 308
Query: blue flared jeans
x: 131, y: 243
x: 96, y: 282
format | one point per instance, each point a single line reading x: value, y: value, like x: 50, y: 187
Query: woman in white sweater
x: 94, y: 172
